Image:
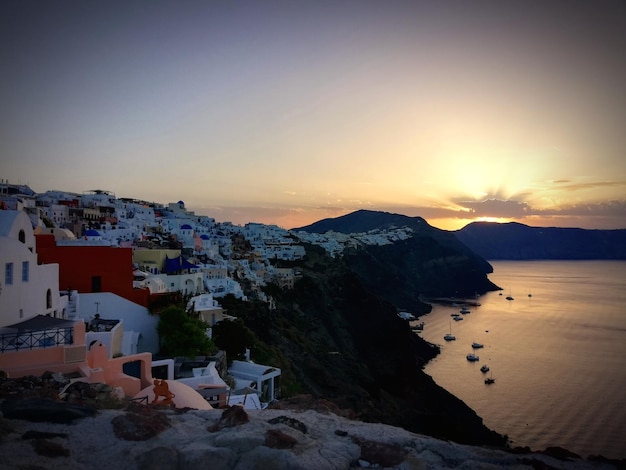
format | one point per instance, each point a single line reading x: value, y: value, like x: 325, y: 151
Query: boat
x: 508, y: 297
x: 472, y: 357
x: 476, y: 345
x: 458, y: 318
x: 406, y: 316
x: 484, y: 368
x: 418, y: 327
x: 489, y: 380
x: 465, y: 310
x: 449, y: 336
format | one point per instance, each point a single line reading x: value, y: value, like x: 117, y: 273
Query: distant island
x: 514, y: 241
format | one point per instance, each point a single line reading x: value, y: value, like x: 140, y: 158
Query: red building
x: 90, y: 269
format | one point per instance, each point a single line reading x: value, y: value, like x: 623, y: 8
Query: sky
x: 289, y: 112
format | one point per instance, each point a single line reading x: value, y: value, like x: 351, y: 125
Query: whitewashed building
x: 27, y: 288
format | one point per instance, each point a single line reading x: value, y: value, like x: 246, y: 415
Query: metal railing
x: 36, y: 339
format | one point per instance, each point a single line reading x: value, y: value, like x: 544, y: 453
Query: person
x: 95, y: 321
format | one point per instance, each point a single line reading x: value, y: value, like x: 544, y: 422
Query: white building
x: 27, y: 288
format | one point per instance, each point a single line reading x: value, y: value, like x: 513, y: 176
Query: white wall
x: 21, y: 300
x: 135, y: 317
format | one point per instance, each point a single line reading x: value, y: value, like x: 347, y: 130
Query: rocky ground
x: 40, y: 431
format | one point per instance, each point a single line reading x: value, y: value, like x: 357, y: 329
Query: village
x: 84, y: 272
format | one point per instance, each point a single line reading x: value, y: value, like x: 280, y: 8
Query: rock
x: 159, y: 458
x: 277, y: 439
x: 181, y: 441
x: 264, y: 458
x: 231, y: 417
x: 385, y: 455
x: 560, y: 453
x: 291, y: 422
x: 44, y: 410
x: 43, y: 435
x: 204, y: 456
x: 49, y: 449
x: 139, y: 423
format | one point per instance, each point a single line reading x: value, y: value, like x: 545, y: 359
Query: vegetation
x: 182, y: 334
x: 233, y: 337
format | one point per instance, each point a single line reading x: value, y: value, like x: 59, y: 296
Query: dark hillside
x: 432, y: 263
x: 346, y: 345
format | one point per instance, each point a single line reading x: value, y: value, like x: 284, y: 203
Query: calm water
x: 557, y: 357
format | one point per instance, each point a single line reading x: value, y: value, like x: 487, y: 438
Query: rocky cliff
x: 339, y: 341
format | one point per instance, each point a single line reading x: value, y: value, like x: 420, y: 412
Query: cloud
x: 496, y: 208
x: 568, y: 185
x: 600, y: 209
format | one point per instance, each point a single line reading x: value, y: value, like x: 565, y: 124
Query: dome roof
x: 186, y: 227
x: 92, y: 233
x: 204, y: 236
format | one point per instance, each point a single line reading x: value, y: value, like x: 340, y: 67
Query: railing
x: 36, y: 339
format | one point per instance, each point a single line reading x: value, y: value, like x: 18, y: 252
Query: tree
x: 183, y: 335
x: 233, y: 337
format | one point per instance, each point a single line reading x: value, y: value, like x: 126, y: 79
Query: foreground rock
x: 165, y: 438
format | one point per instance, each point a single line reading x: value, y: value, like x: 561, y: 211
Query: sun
x: 499, y: 220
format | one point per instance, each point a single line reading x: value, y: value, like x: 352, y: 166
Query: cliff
x: 335, y: 339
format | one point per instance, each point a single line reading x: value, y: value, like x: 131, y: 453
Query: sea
x: 556, y: 352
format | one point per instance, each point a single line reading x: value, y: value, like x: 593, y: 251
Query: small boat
x: 472, y: 357
x: 449, y: 336
x: 418, y: 327
x: 455, y: 314
x: 458, y: 318
x: 509, y: 297
x: 489, y: 380
x: 484, y: 368
x: 406, y: 316
x: 476, y: 345
x: 465, y: 310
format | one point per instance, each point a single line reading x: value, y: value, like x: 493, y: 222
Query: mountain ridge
x: 515, y: 241
x: 492, y: 240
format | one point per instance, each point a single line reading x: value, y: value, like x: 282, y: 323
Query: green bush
x: 183, y: 335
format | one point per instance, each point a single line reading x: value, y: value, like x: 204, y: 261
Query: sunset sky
x: 288, y: 112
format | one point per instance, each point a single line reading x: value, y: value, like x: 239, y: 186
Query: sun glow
x: 499, y: 220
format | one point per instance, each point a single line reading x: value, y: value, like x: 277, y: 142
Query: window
x: 8, y: 274
x: 48, y: 298
x: 22, y: 236
x: 25, y: 271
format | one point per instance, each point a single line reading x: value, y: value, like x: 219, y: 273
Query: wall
x: 79, y: 264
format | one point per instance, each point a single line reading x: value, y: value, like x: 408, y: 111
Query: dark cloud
x: 601, y: 209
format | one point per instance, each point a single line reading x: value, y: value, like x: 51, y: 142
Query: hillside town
x: 84, y: 273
